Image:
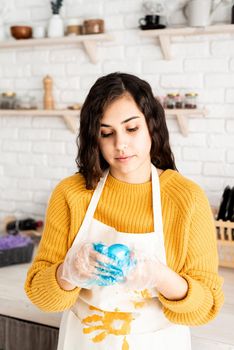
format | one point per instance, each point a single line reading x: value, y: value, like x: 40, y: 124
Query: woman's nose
x: 122, y: 148
x: 121, y: 143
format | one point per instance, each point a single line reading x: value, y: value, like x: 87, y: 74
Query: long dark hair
x: 106, y: 89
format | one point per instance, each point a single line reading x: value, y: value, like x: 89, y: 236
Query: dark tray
x: 17, y: 255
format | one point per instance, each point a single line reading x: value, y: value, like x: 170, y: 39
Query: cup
x: 74, y: 29
x: 93, y: 26
x: 149, y: 20
x: 38, y: 32
x: 198, y: 13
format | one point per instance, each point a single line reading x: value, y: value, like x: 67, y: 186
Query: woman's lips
x: 123, y: 159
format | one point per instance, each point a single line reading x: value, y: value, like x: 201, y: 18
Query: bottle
x: 14, y: 227
x: 48, y: 96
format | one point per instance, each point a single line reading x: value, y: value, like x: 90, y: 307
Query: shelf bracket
x: 183, y: 124
x: 91, y: 50
x: 71, y: 122
x: 164, y: 41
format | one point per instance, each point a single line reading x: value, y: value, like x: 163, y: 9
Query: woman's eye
x: 133, y: 129
x: 106, y: 135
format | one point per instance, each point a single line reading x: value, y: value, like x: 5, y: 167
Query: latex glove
x: 120, y: 254
x: 84, y: 267
x: 144, y: 274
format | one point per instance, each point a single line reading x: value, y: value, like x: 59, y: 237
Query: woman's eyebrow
x: 125, y: 121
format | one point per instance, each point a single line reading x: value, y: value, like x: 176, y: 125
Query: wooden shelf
x: 88, y: 41
x: 182, y: 116
x: 69, y: 116
x: 164, y: 35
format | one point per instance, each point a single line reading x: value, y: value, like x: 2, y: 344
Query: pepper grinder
x: 48, y: 97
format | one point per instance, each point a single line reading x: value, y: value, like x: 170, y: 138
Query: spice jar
x: 178, y: 101
x: 170, y: 101
x: 190, y: 100
x: 8, y: 100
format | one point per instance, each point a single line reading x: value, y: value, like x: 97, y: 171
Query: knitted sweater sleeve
x: 204, y: 297
x: 41, y: 285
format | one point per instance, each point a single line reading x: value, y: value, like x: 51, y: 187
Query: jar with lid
x: 170, y: 102
x: 26, y: 102
x: 178, y: 101
x: 8, y: 100
x: 190, y: 100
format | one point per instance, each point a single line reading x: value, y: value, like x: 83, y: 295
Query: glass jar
x: 8, y: 100
x: 26, y: 102
x: 170, y: 101
x: 178, y: 101
x: 190, y: 100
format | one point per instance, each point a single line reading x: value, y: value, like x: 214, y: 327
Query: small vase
x: 55, y: 27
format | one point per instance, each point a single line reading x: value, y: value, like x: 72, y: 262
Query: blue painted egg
x: 119, y: 251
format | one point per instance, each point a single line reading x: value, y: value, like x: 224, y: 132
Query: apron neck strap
x: 156, y: 199
x: 92, y: 206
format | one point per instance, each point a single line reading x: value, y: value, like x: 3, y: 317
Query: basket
x: 18, y: 255
x: 225, y: 242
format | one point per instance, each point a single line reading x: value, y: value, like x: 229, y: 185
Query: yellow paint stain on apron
x: 125, y: 345
x: 94, y: 308
x: 138, y: 304
x: 146, y: 294
x: 99, y: 337
x: 106, y: 324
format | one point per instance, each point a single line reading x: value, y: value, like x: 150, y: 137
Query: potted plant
x: 56, y: 26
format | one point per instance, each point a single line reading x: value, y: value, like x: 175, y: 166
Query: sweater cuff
x: 193, y: 300
x: 52, y: 296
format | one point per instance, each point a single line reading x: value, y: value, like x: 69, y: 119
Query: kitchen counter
x: 15, y: 303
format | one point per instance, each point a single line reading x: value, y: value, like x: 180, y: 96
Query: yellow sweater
x: 188, y: 230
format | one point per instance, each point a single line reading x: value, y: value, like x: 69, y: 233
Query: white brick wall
x: 36, y: 152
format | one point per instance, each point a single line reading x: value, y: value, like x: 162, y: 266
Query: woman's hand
x: 149, y: 272
x: 84, y: 267
x: 144, y: 274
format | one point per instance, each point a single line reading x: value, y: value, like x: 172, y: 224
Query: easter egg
x: 119, y: 251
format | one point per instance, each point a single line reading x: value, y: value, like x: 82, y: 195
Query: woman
x: 126, y: 171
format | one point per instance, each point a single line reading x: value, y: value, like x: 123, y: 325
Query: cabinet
x: 22, y: 324
x: 89, y: 43
x: 164, y: 35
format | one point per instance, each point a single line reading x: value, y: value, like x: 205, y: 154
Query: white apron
x: 113, y: 317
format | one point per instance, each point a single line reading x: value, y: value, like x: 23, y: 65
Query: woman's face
x: 125, y: 141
